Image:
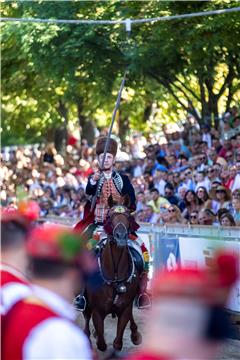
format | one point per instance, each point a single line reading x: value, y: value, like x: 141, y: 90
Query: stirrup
x: 80, y: 303
x: 148, y: 301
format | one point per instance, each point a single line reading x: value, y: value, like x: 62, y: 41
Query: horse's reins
x: 115, y: 267
x: 115, y: 282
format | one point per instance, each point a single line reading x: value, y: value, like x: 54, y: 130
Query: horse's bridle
x: 118, y: 284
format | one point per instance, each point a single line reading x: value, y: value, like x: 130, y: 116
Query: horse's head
x: 119, y: 223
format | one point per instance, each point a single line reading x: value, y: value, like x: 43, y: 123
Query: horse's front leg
x: 136, y: 337
x: 87, y: 316
x: 123, y: 319
x: 98, y: 322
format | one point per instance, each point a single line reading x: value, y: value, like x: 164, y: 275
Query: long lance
x: 109, y: 135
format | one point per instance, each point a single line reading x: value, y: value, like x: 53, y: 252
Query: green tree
x: 54, y: 74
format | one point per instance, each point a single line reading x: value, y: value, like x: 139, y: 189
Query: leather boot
x: 144, y: 300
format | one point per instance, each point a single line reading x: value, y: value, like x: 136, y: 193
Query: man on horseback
x: 103, y: 184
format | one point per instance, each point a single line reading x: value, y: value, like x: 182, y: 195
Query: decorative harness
x: 118, y: 284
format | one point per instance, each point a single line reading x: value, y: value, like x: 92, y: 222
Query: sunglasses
x: 202, y: 158
x: 188, y: 173
x: 221, y: 191
x: 171, y: 210
x: 211, y: 170
x: 193, y: 216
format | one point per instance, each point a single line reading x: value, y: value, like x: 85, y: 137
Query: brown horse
x: 121, y: 280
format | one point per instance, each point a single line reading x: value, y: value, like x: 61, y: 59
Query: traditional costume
x: 110, y: 184
x: 42, y: 325
x: 14, y: 284
x: 14, y: 287
x: 115, y: 185
x: 188, y: 320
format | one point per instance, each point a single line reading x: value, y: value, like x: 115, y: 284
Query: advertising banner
x: 166, y: 253
x: 198, y: 252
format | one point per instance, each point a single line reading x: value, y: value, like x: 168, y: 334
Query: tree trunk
x: 123, y: 127
x: 87, y: 127
x: 204, y: 105
x: 61, y: 132
x: 60, y: 139
x: 215, y: 112
x: 211, y: 117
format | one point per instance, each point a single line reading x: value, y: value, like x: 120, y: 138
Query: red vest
x: 19, y: 322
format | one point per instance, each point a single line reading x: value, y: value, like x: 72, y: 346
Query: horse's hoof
x: 136, y: 338
x: 117, y: 345
x: 102, y: 346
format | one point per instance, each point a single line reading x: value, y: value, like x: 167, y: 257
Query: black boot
x: 80, y: 303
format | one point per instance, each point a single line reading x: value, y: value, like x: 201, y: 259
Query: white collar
x: 13, y: 271
x: 107, y: 176
x: 55, y: 302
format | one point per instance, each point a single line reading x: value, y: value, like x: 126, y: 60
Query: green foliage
x: 56, y: 74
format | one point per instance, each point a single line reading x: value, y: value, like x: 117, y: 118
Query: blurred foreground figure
x: 15, y: 225
x: 42, y: 325
x: 188, y: 320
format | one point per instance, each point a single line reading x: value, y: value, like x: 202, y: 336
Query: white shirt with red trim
x: 48, y: 331
x: 14, y: 287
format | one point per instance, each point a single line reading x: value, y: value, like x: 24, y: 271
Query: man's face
x: 108, y: 163
x: 188, y: 174
x: 227, y: 144
x: 176, y: 177
x: 182, y: 192
x: 238, y: 156
x: 172, y: 160
x: 202, y: 159
x: 140, y: 197
x: 229, y: 156
x: 154, y: 195
x: 233, y: 171
x: 236, y: 204
x: 168, y: 192
x: 204, y: 219
x: 211, y: 173
x: 199, y: 177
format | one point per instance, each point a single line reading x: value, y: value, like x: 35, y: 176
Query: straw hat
x: 220, y: 188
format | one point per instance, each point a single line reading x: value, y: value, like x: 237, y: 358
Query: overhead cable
x: 126, y: 22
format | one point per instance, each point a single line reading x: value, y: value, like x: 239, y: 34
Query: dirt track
x: 230, y: 351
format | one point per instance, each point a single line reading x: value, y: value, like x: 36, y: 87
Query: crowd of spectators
x: 192, y: 177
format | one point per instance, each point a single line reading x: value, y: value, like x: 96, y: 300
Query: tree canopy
x: 60, y: 75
